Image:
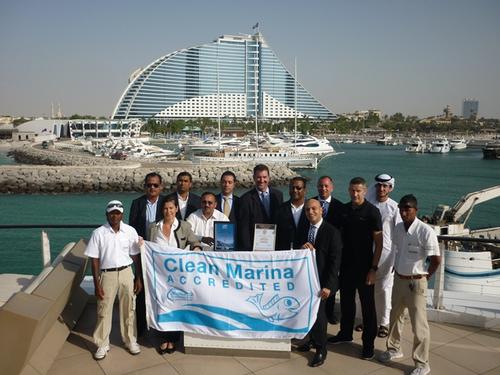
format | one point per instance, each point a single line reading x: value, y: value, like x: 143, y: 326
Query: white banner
x: 271, y: 294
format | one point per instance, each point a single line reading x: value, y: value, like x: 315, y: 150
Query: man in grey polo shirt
x: 414, y: 242
x: 112, y: 249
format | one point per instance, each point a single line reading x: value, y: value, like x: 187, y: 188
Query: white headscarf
x: 382, y: 178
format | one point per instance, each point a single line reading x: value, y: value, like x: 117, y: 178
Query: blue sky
x: 395, y: 55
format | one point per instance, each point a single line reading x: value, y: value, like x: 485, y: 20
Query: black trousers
x: 348, y: 287
x: 330, y: 308
x: 318, y: 332
x: 140, y: 313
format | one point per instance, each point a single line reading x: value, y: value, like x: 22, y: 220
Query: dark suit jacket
x: 334, y: 216
x: 193, y: 203
x: 328, y: 245
x: 251, y: 211
x: 137, y: 216
x: 233, y: 214
x: 287, y: 232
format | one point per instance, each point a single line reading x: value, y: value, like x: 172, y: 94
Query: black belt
x: 116, y: 269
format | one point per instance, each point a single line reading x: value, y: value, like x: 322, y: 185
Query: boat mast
x: 218, y: 92
x: 295, y: 104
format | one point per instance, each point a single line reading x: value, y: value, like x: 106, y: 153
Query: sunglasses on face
x: 149, y: 186
x: 207, y: 202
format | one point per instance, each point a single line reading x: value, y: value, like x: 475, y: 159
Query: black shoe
x: 333, y: 320
x: 338, y: 339
x: 304, y: 347
x: 318, y: 359
x: 368, y: 354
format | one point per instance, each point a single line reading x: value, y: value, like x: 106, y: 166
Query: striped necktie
x: 311, y: 236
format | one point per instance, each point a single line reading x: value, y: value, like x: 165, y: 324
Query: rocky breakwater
x: 89, y: 174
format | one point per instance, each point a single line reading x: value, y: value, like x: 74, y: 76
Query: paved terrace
x: 455, y: 349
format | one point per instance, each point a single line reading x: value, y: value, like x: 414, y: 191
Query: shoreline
x: 56, y: 171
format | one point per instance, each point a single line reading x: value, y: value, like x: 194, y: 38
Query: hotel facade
x: 235, y: 76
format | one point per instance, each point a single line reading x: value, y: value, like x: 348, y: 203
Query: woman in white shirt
x: 174, y: 233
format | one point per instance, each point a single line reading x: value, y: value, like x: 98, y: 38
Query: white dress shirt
x: 203, y: 227
x: 162, y: 239
x: 182, y: 205
x: 296, y: 212
x: 113, y: 249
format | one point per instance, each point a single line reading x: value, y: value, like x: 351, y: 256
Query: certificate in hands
x: 264, y: 238
x: 224, y: 236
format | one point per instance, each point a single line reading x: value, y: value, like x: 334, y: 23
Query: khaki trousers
x: 415, y: 299
x: 113, y: 283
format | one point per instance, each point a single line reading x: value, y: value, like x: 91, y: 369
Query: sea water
x: 433, y: 178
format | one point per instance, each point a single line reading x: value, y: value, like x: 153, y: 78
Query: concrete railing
x: 35, y: 323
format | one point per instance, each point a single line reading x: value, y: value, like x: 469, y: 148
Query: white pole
x: 256, y: 98
x: 218, y: 93
x: 45, y: 249
x: 295, y: 103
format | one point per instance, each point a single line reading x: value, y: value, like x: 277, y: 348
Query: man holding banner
x: 324, y: 239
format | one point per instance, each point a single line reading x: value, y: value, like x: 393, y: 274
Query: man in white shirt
x: 202, y: 220
x: 378, y: 195
x: 113, y: 247
x: 413, y: 242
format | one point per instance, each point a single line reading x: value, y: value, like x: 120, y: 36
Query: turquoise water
x: 434, y: 179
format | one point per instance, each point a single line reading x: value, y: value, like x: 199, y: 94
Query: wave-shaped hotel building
x: 235, y: 76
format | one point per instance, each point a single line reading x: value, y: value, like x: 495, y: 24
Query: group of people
x: 370, y: 246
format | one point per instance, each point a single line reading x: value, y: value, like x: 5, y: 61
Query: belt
x: 116, y: 269
x: 410, y: 277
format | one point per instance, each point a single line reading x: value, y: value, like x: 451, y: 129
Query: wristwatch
x: 374, y: 268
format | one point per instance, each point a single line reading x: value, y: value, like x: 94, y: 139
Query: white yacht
x: 441, y: 146
x: 458, y: 144
x: 416, y: 146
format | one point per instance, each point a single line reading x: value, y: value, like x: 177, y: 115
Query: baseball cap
x: 114, y: 206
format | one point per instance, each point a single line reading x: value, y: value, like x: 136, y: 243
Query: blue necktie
x: 265, y: 202
x: 311, y: 236
x: 324, y: 206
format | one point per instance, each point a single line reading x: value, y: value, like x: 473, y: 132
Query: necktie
x: 226, y: 208
x: 324, y: 207
x: 311, y: 236
x: 265, y: 202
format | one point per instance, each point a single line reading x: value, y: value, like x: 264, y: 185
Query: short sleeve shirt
x: 412, y: 247
x: 113, y: 249
x: 358, y: 225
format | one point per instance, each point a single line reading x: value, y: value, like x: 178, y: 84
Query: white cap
x: 114, y: 206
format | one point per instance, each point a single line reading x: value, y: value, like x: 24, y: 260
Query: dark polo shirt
x: 358, y: 225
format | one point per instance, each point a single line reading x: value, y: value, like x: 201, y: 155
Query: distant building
x: 362, y: 115
x: 470, y: 109
x: 235, y: 76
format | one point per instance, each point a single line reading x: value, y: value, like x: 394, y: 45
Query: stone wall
x: 88, y: 174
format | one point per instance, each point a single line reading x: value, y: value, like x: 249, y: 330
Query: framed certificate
x: 224, y: 236
x: 264, y: 238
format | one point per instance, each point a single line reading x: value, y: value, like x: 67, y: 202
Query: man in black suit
x: 332, y: 209
x: 148, y: 208
x: 257, y: 206
x: 145, y: 210
x: 291, y: 218
x: 227, y: 202
x: 186, y: 201
x: 325, y: 239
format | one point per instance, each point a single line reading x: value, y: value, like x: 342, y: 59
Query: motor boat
x: 441, y: 146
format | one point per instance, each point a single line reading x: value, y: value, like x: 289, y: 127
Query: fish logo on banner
x: 231, y: 294
x: 277, y: 308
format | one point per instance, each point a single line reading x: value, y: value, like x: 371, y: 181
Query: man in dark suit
x: 291, y: 218
x: 257, y: 206
x: 148, y: 208
x: 145, y: 210
x: 332, y: 209
x: 186, y: 201
x: 227, y: 202
x: 325, y: 239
